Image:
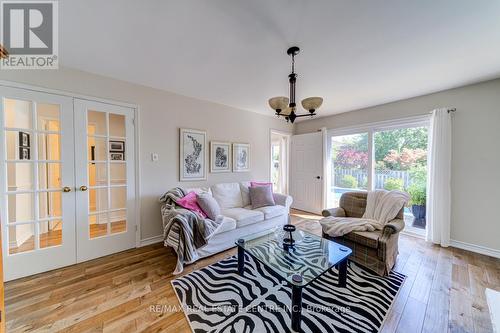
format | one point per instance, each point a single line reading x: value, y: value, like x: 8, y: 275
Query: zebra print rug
x: 217, y: 299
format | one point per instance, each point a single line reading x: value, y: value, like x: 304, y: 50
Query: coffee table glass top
x: 310, y: 257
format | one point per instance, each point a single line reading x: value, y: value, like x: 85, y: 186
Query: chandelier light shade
x: 286, y: 107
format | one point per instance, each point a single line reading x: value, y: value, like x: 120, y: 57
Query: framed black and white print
x: 220, y: 156
x: 117, y: 157
x: 193, y: 154
x: 24, y: 153
x: 117, y: 146
x: 241, y: 157
x: 24, y: 139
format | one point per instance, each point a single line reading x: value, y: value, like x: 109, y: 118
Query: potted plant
x: 418, y: 196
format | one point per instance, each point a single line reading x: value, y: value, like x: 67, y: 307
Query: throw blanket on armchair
x: 381, y: 207
x: 184, y: 230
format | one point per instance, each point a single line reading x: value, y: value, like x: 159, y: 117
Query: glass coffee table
x: 298, y: 265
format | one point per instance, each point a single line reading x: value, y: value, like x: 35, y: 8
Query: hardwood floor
x: 124, y: 292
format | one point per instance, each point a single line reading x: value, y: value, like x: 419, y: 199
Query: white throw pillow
x: 228, y: 195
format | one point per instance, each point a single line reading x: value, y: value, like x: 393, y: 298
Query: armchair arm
x: 394, y: 226
x: 335, y: 212
x: 283, y: 200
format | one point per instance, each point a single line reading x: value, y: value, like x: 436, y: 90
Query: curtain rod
x: 449, y: 110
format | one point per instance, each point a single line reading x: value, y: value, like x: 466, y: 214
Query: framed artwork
x: 24, y: 139
x: 193, y: 156
x: 220, y: 156
x: 117, y: 156
x: 241, y: 157
x: 118, y: 146
x: 24, y: 153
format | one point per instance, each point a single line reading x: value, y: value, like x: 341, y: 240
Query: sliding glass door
x: 388, y: 156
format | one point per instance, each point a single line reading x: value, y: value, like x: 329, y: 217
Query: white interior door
x: 306, y: 172
x: 104, y: 136
x: 37, y: 203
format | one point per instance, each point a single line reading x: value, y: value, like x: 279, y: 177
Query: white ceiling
x: 354, y: 53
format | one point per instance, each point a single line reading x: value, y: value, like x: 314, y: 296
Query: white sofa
x: 238, y: 217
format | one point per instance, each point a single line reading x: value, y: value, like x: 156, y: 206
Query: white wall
x: 161, y: 115
x: 475, y: 174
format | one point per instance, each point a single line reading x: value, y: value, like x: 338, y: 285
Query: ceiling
x: 354, y: 53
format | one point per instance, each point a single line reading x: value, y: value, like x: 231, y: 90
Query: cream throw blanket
x: 381, y: 207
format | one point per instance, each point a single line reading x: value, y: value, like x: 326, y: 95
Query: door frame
x: 137, y: 134
x: 288, y: 136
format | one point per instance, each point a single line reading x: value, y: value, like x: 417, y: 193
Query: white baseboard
x: 151, y: 240
x: 475, y: 248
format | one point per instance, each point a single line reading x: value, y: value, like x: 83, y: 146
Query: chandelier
x: 286, y: 107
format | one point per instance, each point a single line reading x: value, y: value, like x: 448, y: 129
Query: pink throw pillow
x: 189, y: 202
x: 254, y: 184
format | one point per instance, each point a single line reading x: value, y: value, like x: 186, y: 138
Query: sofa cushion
x: 366, y: 238
x: 189, y: 202
x: 272, y: 211
x: 245, y: 193
x: 209, y: 205
x: 261, y: 196
x: 244, y: 216
x: 227, y: 224
x: 228, y: 195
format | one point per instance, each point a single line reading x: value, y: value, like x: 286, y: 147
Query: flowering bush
x: 349, y: 158
x: 406, y: 159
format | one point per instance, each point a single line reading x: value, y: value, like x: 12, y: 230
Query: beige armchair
x: 376, y: 250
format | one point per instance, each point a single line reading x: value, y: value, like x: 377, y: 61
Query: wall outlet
x: 154, y: 157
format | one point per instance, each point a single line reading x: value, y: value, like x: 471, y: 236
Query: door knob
x: 83, y: 188
x: 318, y: 177
x: 66, y: 189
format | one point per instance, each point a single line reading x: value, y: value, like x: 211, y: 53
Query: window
x: 279, y: 162
x: 391, y: 156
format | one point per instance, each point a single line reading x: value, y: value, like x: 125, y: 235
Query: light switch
x: 154, y: 157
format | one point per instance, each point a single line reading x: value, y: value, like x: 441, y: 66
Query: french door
x: 67, y: 180
x: 104, y: 179
x: 37, y: 182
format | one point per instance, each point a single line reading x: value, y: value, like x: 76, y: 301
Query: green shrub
x: 393, y: 184
x: 348, y: 181
x: 418, y: 194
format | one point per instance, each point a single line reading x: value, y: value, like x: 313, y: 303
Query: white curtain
x: 438, y: 180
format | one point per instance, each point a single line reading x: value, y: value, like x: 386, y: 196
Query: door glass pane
x: 119, y: 223
x: 118, y: 197
x: 18, y: 145
x: 49, y: 176
x: 49, y: 204
x: 49, y: 147
x: 401, y: 164
x: 118, y: 173
x: 97, y: 123
x: 20, y: 207
x: 48, y: 117
x: 18, y: 114
x: 116, y: 125
x: 21, y: 238
x: 50, y: 233
x: 96, y: 149
x: 98, y: 174
x: 98, y: 199
x: 350, y: 165
x: 19, y: 176
x: 98, y: 225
